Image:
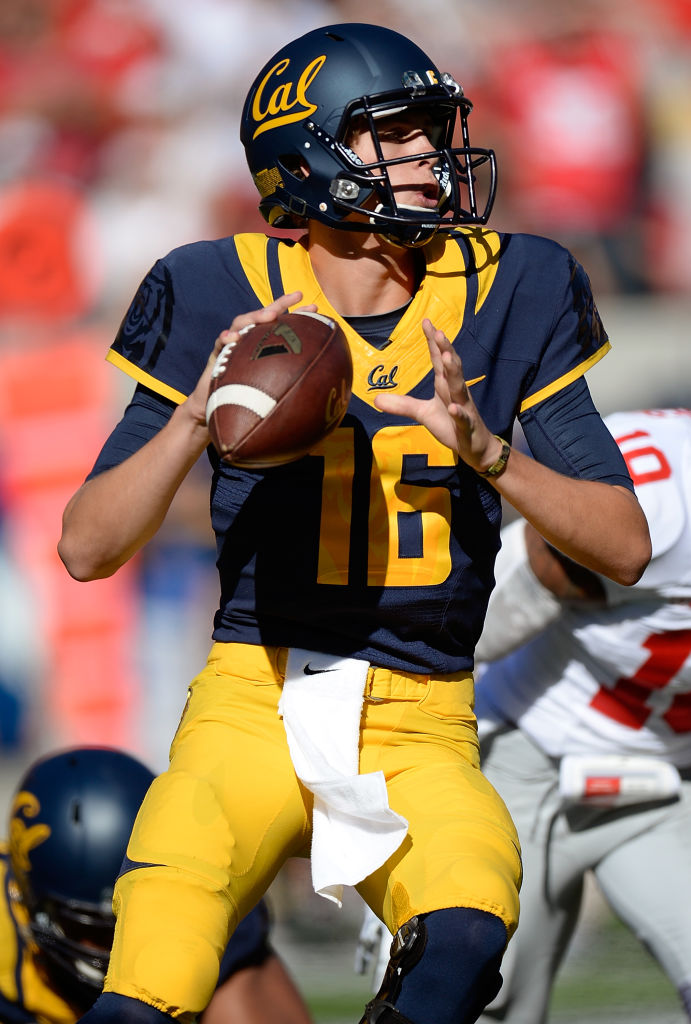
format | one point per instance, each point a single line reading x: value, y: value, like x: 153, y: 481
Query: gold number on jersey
x: 393, y: 503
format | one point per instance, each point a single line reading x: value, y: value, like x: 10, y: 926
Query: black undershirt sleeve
x: 142, y: 419
x: 566, y: 433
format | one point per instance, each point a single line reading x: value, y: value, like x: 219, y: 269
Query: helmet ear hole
x: 295, y: 165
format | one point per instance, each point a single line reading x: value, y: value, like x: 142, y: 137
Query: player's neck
x: 361, y: 275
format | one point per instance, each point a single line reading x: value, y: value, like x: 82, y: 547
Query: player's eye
x: 397, y: 133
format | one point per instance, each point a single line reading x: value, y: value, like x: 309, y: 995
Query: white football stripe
x: 317, y: 316
x: 240, y: 394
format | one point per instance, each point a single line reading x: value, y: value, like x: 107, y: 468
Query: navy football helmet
x: 296, y: 125
x: 70, y: 822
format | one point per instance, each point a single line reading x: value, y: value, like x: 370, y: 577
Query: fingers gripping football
x: 278, y: 389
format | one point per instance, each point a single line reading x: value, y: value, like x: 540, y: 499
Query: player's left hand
x: 451, y: 416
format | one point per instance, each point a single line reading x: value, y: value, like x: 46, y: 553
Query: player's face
x: 404, y: 135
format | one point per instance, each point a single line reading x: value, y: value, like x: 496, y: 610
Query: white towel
x: 353, y: 828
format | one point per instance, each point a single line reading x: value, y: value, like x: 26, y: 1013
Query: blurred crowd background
x: 119, y: 140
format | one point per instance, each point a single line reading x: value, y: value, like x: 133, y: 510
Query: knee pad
x: 444, y: 967
x: 407, y: 948
x: 111, y: 1008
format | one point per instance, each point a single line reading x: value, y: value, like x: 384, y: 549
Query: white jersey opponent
x: 617, y: 679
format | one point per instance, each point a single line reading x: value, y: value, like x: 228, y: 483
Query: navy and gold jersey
x: 379, y: 544
x: 24, y: 995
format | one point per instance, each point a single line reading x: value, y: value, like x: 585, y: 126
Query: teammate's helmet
x: 70, y: 821
x: 296, y: 126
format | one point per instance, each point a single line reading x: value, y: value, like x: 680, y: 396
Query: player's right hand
x: 196, y: 403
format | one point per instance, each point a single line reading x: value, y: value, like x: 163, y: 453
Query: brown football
x: 279, y: 389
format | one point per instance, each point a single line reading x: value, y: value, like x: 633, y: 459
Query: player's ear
x: 297, y: 166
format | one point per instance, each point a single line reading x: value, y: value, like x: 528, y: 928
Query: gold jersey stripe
x: 251, y: 249
x: 142, y: 377
x: 566, y: 379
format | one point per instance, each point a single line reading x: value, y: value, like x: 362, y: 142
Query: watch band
x: 499, y: 466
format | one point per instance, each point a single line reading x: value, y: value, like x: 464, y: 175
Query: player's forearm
x: 114, y: 514
x: 600, y: 526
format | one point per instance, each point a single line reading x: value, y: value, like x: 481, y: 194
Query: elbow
x: 78, y: 564
x: 635, y: 563
x: 85, y: 550
x: 633, y: 573
x: 633, y: 544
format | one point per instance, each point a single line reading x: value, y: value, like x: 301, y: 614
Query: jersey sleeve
x: 576, y: 338
x: 145, y: 415
x: 180, y: 308
x: 567, y: 433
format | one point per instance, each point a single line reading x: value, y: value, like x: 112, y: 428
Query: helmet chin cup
x: 415, y: 235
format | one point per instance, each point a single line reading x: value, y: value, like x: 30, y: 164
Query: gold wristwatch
x: 499, y: 466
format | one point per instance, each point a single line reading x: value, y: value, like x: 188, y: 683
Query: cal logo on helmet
x: 282, y: 99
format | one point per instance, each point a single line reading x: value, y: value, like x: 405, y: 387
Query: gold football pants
x: 216, y: 827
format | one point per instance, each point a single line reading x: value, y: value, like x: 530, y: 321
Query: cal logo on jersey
x: 281, y: 96
x: 381, y: 379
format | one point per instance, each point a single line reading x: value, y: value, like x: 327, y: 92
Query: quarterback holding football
x: 333, y: 719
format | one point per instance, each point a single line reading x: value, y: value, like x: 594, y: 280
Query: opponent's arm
x: 599, y: 525
x: 533, y: 582
x: 114, y: 514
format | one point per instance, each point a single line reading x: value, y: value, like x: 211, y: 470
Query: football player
x: 69, y: 823
x: 334, y: 717
x: 586, y: 729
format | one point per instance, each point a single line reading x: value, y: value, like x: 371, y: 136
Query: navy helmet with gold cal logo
x: 70, y: 821
x: 298, y: 118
